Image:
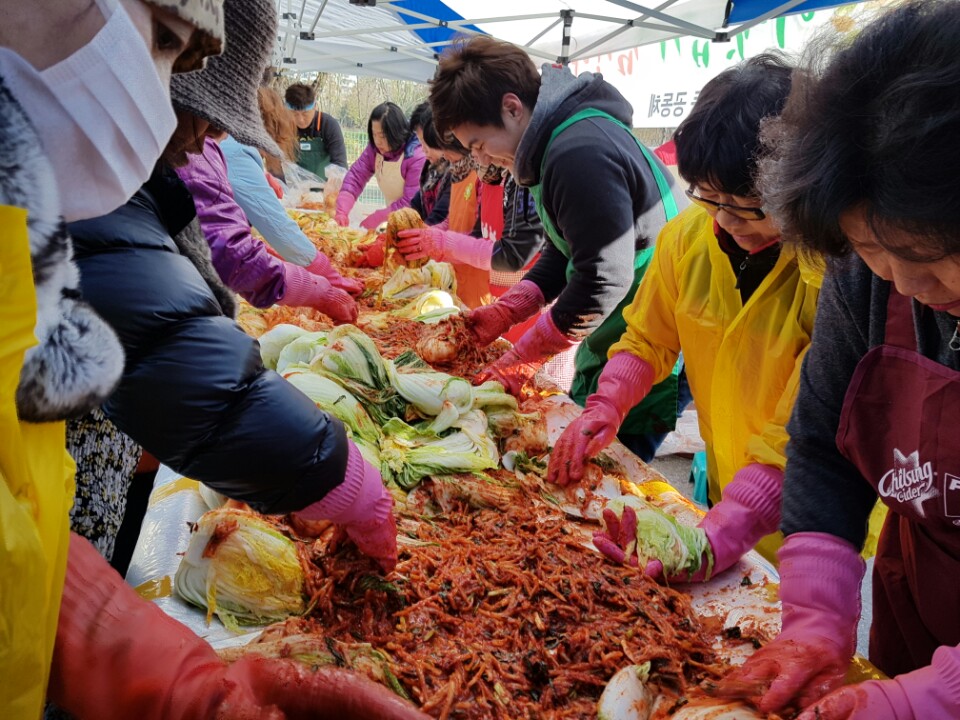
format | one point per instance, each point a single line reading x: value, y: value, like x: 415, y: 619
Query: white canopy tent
x: 401, y: 39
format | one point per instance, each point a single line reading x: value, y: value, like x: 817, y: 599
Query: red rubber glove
x: 820, y: 577
x: 520, y: 302
x: 345, y: 203
x: 750, y: 509
x: 322, y: 266
x: 364, y: 507
x: 118, y: 656
x: 624, y: 382
x: 303, y: 288
x: 516, y: 367
x: 435, y: 244
x: 372, y: 255
x: 275, y: 185
x: 930, y: 692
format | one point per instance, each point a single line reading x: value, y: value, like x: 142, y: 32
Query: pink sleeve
x: 360, y: 172
x: 410, y: 169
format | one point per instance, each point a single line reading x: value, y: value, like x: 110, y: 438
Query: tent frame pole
x: 567, y: 17
x: 729, y: 32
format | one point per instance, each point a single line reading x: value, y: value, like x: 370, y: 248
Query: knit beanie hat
x: 224, y: 93
x: 207, y: 17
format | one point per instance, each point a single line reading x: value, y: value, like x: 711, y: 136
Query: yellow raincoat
x: 743, y: 361
x: 36, y: 493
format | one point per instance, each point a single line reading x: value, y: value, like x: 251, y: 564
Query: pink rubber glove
x: 436, y: 244
x: 118, y: 656
x: 930, y: 692
x: 322, y: 266
x: 303, y: 288
x: 517, y: 366
x: 364, y: 507
x: 624, y: 382
x: 520, y: 302
x: 375, y: 219
x: 345, y: 203
x: 820, y: 578
x: 750, y: 509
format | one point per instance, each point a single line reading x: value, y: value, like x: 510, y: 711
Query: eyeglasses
x: 744, y: 213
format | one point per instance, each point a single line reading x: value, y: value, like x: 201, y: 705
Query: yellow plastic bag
x: 36, y: 492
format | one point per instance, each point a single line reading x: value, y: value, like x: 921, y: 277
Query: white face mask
x: 103, y: 116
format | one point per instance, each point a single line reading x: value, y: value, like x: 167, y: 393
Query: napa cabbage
x: 241, y: 568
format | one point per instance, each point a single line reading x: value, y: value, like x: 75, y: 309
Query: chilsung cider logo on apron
x: 909, y: 482
x: 912, y: 483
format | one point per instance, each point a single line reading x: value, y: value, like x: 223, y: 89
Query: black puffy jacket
x: 194, y: 392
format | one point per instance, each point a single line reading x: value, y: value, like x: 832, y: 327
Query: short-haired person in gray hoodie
x: 602, y: 198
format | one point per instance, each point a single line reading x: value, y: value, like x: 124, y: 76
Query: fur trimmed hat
x: 224, y: 93
x: 207, y: 17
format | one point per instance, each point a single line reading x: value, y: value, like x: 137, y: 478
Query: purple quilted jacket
x: 241, y: 260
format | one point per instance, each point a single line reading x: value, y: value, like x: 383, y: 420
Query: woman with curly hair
x: 863, y: 170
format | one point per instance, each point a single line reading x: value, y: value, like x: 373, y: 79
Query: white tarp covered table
x: 744, y: 596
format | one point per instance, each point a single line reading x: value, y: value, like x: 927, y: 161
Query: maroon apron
x: 899, y: 428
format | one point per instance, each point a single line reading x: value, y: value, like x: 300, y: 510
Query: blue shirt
x: 260, y: 204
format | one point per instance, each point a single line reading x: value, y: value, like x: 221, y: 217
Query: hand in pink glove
x: 345, y: 203
x: 489, y: 322
x: 624, y: 382
x: 351, y: 286
x: 750, y: 510
x: 865, y: 701
x: 303, y: 288
x: 322, y: 266
x: 516, y: 367
x: 375, y: 219
x: 427, y: 243
x: 930, y: 692
x: 118, y: 656
x: 820, y: 577
x: 364, y: 507
x: 436, y: 244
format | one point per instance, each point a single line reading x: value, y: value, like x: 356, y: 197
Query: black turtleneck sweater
x: 749, y: 268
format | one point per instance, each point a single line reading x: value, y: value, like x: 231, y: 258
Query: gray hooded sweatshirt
x: 599, y: 193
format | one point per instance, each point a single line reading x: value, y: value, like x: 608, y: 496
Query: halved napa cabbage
x: 660, y: 536
x: 242, y: 569
x: 408, y: 454
x: 275, y: 340
x: 333, y: 398
x: 301, y: 350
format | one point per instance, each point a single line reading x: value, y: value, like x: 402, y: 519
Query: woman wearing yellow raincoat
x: 723, y: 290
x: 57, y: 358
x: 88, y: 82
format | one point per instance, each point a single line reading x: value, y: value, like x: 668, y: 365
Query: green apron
x: 657, y: 413
x: 313, y: 152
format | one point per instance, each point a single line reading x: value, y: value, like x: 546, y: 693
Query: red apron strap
x: 900, y: 330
